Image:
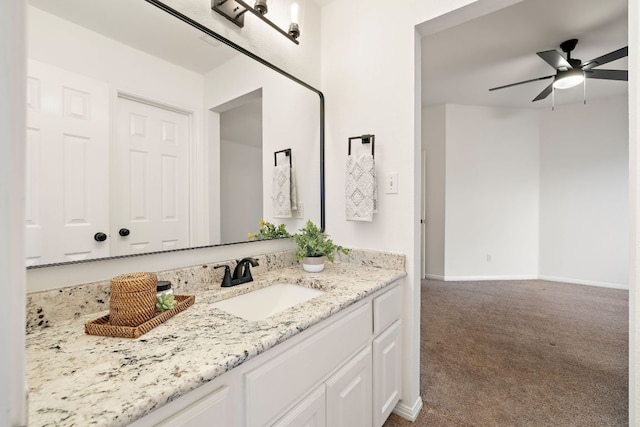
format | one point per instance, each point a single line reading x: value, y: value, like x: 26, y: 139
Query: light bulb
x: 295, y: 13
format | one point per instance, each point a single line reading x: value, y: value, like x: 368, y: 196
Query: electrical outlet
x: 300, y: 211
x: 391, y: 183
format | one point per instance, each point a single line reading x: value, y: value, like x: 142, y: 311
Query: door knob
x: 100, y: 237
x: 124, y: 232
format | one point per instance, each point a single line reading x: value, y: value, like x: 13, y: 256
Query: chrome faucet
x: 241, y: 273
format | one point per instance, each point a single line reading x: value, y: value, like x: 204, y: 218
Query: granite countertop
x: 78, y: 380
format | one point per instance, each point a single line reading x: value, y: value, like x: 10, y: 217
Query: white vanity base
x: 344, y: 371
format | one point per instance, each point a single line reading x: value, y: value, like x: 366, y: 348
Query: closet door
x: 67, y: 185
x: 151, y: 187
x: 349, y: 393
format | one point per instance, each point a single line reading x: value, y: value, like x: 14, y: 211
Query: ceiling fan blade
x: 553, y: 58
x: 607, y: 74
x: 611, y: 56
x: 542, y: 95
x: 519, y: 83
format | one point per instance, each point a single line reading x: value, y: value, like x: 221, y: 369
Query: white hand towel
x: 361, y: 189
x: 294, y: 190
x: 284, y: 192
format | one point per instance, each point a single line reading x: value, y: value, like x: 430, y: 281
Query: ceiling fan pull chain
x: 553, y: 98
x: 584, y: 90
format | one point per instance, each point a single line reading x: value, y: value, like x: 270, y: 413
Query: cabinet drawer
x: 311, y: 412
x: 274, y: 386
x: 386, y: 309
x: 211, y: 410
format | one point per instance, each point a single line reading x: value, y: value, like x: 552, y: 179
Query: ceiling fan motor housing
x: 569, y: 45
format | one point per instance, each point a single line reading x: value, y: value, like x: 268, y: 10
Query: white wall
x: 66, y: 45
x: 491, y: 193
x: 290, y: 119
x: 371, y: 79
x: 240, y: 192
x: 434, y: 142
x: 584, y: 193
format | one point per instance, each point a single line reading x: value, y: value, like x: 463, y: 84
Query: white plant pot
x: 313, y: 264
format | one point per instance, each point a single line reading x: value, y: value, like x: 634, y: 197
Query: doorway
x: 241, y: 168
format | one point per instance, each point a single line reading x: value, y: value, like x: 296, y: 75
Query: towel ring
x: 287, y: 152
x: 366, y: 139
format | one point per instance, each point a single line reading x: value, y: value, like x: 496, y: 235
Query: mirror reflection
x: 145, y: 134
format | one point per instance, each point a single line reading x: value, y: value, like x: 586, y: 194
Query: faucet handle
x: 248, y: 263
x: 226, y: 280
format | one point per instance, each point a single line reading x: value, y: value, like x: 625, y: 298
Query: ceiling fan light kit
x: 568, y: 79
x: 571, y: 72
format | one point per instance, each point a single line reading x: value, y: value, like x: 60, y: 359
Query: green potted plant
x: 268, y: 230
x: 314, y: 247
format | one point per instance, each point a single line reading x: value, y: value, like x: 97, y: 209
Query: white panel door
x: 386, y: 373
x: 67, y: 187
x: 150, y: 193
x: 349, y: 393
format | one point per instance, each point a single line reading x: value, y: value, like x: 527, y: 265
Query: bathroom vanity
x: 334, y: 359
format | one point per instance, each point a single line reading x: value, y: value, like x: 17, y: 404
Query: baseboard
x: 479, y: 278
x: 434, y: 277
x: 408, y: 412
x: 584, y: 282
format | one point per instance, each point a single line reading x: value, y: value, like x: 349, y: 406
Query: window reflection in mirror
x: 128, y: 110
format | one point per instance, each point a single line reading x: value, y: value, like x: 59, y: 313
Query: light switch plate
x: 391, y: 183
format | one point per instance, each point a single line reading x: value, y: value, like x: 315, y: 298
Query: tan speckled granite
x: 47, y: 308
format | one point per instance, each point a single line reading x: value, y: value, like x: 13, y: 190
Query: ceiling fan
x: 571, y: 72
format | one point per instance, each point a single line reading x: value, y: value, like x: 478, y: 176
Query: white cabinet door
x: 210, y: 411
x: 311, y: 412
x: 349, y: 393
x: 386, y: 373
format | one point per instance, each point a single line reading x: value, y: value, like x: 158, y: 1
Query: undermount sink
x: 265, y: 302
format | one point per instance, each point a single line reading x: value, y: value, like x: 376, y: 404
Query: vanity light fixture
x: 234, y: 11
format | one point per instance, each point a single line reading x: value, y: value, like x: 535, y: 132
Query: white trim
x: 409, y: 412
x: 530, y: 277
x: 584, y: 282
x: 480, y: 278
x: 13, y: 73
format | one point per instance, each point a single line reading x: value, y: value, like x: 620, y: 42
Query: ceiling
x: 461, y: 63
x: 144, y: 27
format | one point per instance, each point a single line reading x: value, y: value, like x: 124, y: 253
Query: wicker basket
x: 133, y: 299
x: 102, y: 325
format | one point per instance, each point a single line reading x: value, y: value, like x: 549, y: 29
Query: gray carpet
x: 522, y: 353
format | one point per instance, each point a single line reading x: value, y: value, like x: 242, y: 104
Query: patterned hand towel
x: 284, y: 192
x: 361, y: 188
